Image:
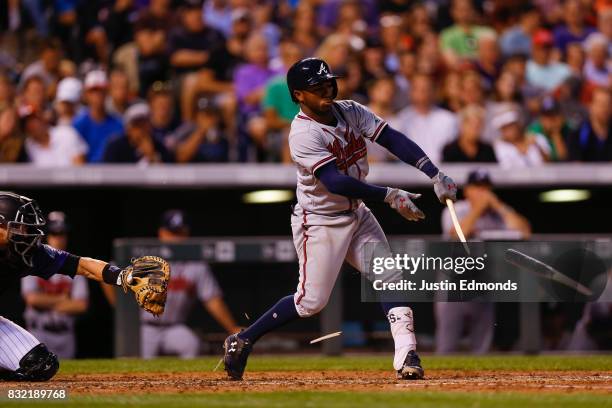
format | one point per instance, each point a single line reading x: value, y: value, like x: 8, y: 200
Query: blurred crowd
x: 520, y: 83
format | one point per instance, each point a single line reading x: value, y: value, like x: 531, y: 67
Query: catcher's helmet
x: 24, y: 223
x: 309, y: 72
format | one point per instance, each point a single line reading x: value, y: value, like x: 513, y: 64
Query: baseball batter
x: 22, y: 356
x: 330, y: 223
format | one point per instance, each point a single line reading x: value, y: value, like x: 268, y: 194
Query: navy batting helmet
x: 308, y: 72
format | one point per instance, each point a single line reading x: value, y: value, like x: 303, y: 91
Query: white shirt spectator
x: 431, y: 131
x: 65, y: 145
x: 509, y: 156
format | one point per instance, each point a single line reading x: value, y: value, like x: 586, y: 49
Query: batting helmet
x: 308, y: 72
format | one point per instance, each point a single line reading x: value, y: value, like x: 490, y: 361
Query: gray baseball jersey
x: 49, y: 320
x: 329, y: 229
x: 190, y: 280
x: 314, y: 144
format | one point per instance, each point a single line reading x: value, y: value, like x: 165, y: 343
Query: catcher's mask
x: 24, y: 224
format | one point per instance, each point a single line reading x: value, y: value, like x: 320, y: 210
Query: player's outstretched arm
x: 341, y: 184
x: 409, y: 152
x: 147, y: 277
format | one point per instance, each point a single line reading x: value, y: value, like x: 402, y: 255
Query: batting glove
x: 401, y: 201
x: 445, y: 187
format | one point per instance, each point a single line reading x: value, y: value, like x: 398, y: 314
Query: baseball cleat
x: 236, y: 354
x: 411, y: 370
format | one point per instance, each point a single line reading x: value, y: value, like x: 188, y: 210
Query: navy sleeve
x: 406, y: 150
x: 48, y: 261
x: 347, y: 186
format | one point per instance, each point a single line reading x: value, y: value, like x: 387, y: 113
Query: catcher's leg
x: 22, y: 356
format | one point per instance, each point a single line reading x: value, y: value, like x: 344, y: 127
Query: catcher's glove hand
x: 148, y: 278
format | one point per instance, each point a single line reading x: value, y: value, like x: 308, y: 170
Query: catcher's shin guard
x: 236, y: 354
x: 39, y: 364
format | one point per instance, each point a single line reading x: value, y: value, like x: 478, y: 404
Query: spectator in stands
x: 515, y: 148
x: 52, y: 305
x: 572, y: 109
x: 598, y: 66
x: 380, y: 95
x: 575, y: 58
x: 391, y: 38
x: 95, y: 124
x: 573, y: 28
x: 487, y: 63
x: 374, y: 60
x: 304, y: 31
x: 119, y: 96
x: 552, y: 125
x: 34, y: 93
x: 427, y: 125
x: 542, y: 71
x: 218, y: 14
x: 420, y: 22
x: 145, y: 60
x: 451, y: 98
x: 517, y: 39
x: 278, y: 108
x: 159, y: 13
x: 468, y: 147
x: 195, y: 52
x: 604, y: 25
x: 118, y: 23
x: 242, y: 27
x: 407, y: 68
x: 161, y: 101
x: 47, y: 66
x: 592, y: 142
x: 50, y: 146
x: 459, y: 42
x: 202, y: 140
x: 67, y: 100
x: 12, y: 146
x: 349, y: 82
x: 137, y: 145
x: 250, y: 80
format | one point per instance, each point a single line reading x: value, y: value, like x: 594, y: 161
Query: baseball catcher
x: 22, y: 356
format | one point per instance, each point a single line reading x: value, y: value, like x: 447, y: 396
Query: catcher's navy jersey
x: 46, y: 262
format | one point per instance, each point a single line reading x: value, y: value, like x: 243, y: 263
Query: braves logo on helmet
x: 309, y: 72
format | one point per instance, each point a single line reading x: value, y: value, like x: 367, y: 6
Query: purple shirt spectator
x: 248, y: 78
x: 563, y: 36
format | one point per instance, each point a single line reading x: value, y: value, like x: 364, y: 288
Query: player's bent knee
x: 310, y: 308
x: 39, y: 364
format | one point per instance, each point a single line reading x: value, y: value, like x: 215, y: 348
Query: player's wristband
x: 110, y: 275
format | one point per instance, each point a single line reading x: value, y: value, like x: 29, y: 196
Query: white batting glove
x: 445, y: 187
x: 401, y: 201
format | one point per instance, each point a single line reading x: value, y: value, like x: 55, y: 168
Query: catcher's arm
x: 147, y: 277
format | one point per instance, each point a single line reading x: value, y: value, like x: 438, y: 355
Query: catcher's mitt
x: 148, y: 278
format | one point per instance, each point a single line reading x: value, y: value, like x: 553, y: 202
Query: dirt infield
x: 447, y: 380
